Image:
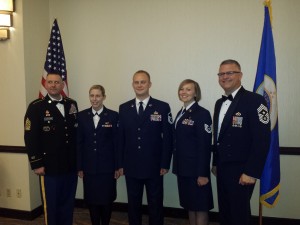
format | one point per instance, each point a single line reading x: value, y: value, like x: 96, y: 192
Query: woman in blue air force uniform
x: 97, y: 135
x: 191, y: 161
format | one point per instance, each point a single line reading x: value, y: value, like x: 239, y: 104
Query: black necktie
x: 183, y: 111
x: 141, y: 109
x: 229, y: 97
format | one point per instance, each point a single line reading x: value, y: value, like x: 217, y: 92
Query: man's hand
x: 246, y: 180
x: 117, y: 174
x: 163, y: 171
x: 40, y: 171
x: 121, y: 172
x: 201, y: 181
x: 80, y: 174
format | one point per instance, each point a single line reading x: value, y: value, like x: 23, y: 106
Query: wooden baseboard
x: 21, y: 214
x: 122, y: 207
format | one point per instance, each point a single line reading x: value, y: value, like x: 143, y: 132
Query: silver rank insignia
x: 263, y: 114
x: 207, y: 128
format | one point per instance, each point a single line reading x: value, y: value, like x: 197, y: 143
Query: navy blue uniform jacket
x: 192, y: 143
x: 97, y: 147
x: 245, y: 133
x: 145, y: 144
x: 50, y: 138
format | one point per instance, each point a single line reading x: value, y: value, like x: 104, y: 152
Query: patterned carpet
x: 81, y: 217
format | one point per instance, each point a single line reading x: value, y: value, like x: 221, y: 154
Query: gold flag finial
x: 268, y: 4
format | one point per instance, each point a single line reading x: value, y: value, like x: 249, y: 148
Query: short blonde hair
x: 98, y: 87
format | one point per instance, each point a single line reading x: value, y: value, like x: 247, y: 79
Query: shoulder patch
x: 170, y: 118
x: 263, y: 114
x: 207, y: 128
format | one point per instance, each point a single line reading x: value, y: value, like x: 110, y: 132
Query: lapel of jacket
x: 227, y: 121
x: 90, y: 118
x: 216, y: 118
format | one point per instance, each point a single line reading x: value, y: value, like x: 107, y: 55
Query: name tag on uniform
x: 48, y: 119
x: 107, y: 124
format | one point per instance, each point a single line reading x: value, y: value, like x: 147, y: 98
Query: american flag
x: 55, y: 61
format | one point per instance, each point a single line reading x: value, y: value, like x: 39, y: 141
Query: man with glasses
x: 241, y: 144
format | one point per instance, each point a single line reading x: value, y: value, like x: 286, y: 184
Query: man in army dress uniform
x: 50, y: 138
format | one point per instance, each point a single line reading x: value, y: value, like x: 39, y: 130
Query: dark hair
x: 98, y: 87
x: 231, y: 61
x: 196, y: 86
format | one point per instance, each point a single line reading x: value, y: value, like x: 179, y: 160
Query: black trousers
x: 100, y: 214
x: 233, y: 198
x: 154, y: 191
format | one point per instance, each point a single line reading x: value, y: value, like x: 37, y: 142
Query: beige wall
x: 107, y: 41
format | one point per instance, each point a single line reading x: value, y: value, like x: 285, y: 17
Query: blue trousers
x: 58, y: 195
x: 154, y: 191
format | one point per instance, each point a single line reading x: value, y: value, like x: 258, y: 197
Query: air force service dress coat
x: 245, y: 133
x: 97, y: 155
x: 191, y: 157
x: 145, y: 143
x: 241, y: 147
x: 50, y: 138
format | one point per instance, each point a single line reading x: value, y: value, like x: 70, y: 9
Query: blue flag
x: 265, y: 85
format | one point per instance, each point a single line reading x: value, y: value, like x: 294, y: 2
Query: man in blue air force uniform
x: 241, y: 144
x: 50, y: 138
x: 145, y: 148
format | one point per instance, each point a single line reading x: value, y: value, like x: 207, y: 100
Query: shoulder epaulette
x: 37, y: 101
x: 70, y: 99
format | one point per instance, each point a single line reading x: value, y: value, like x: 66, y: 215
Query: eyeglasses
x: 229, y: 73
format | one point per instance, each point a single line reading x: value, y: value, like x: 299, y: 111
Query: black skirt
x: 193, y: 197
x: 99, y: 189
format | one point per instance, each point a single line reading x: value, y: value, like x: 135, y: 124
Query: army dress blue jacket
x: 50, y: 137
